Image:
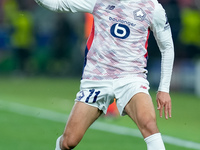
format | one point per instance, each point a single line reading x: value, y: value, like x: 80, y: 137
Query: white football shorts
x: 101, y: 93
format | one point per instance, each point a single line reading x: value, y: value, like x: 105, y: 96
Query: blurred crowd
x: 184, y: 18
x: 34, y: 40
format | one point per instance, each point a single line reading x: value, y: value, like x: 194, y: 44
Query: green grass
x: 51, y: 93
x: 21, y: 132
x: 185, y: 121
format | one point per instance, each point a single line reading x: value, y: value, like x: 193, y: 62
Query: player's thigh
x: 140, y: 103
x: 141, y: 110
x: 81, y: 117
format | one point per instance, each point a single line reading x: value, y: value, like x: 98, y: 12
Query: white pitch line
x: 60, y: 117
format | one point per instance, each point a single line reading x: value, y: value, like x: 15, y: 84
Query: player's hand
x: 164, y: 103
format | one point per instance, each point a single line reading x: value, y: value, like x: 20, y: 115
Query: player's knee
x: 69, y: 142
x: 149, y: 125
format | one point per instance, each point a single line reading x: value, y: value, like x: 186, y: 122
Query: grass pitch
x: 20, y: 132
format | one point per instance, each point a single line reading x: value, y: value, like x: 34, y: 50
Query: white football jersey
x: 117, y: 46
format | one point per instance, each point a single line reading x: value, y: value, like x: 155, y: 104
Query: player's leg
x: 92, y: 99
x: 81, y: 117
x: 141, y: 110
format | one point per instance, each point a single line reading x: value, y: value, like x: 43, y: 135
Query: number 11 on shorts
x: 92, y: 91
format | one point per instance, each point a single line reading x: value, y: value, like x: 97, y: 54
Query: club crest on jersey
x: 139, y: 14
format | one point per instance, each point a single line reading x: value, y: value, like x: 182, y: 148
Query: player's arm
x: 68, y: 5
x: 163, y: 36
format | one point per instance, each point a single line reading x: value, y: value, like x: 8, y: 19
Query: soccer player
x: 115, y: 61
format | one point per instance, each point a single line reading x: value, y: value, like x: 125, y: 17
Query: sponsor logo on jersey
x: 120, y: 31
x: 122, y: 21
x: 139, y: 14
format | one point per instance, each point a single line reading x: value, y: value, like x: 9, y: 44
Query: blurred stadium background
x: 41, y: 59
